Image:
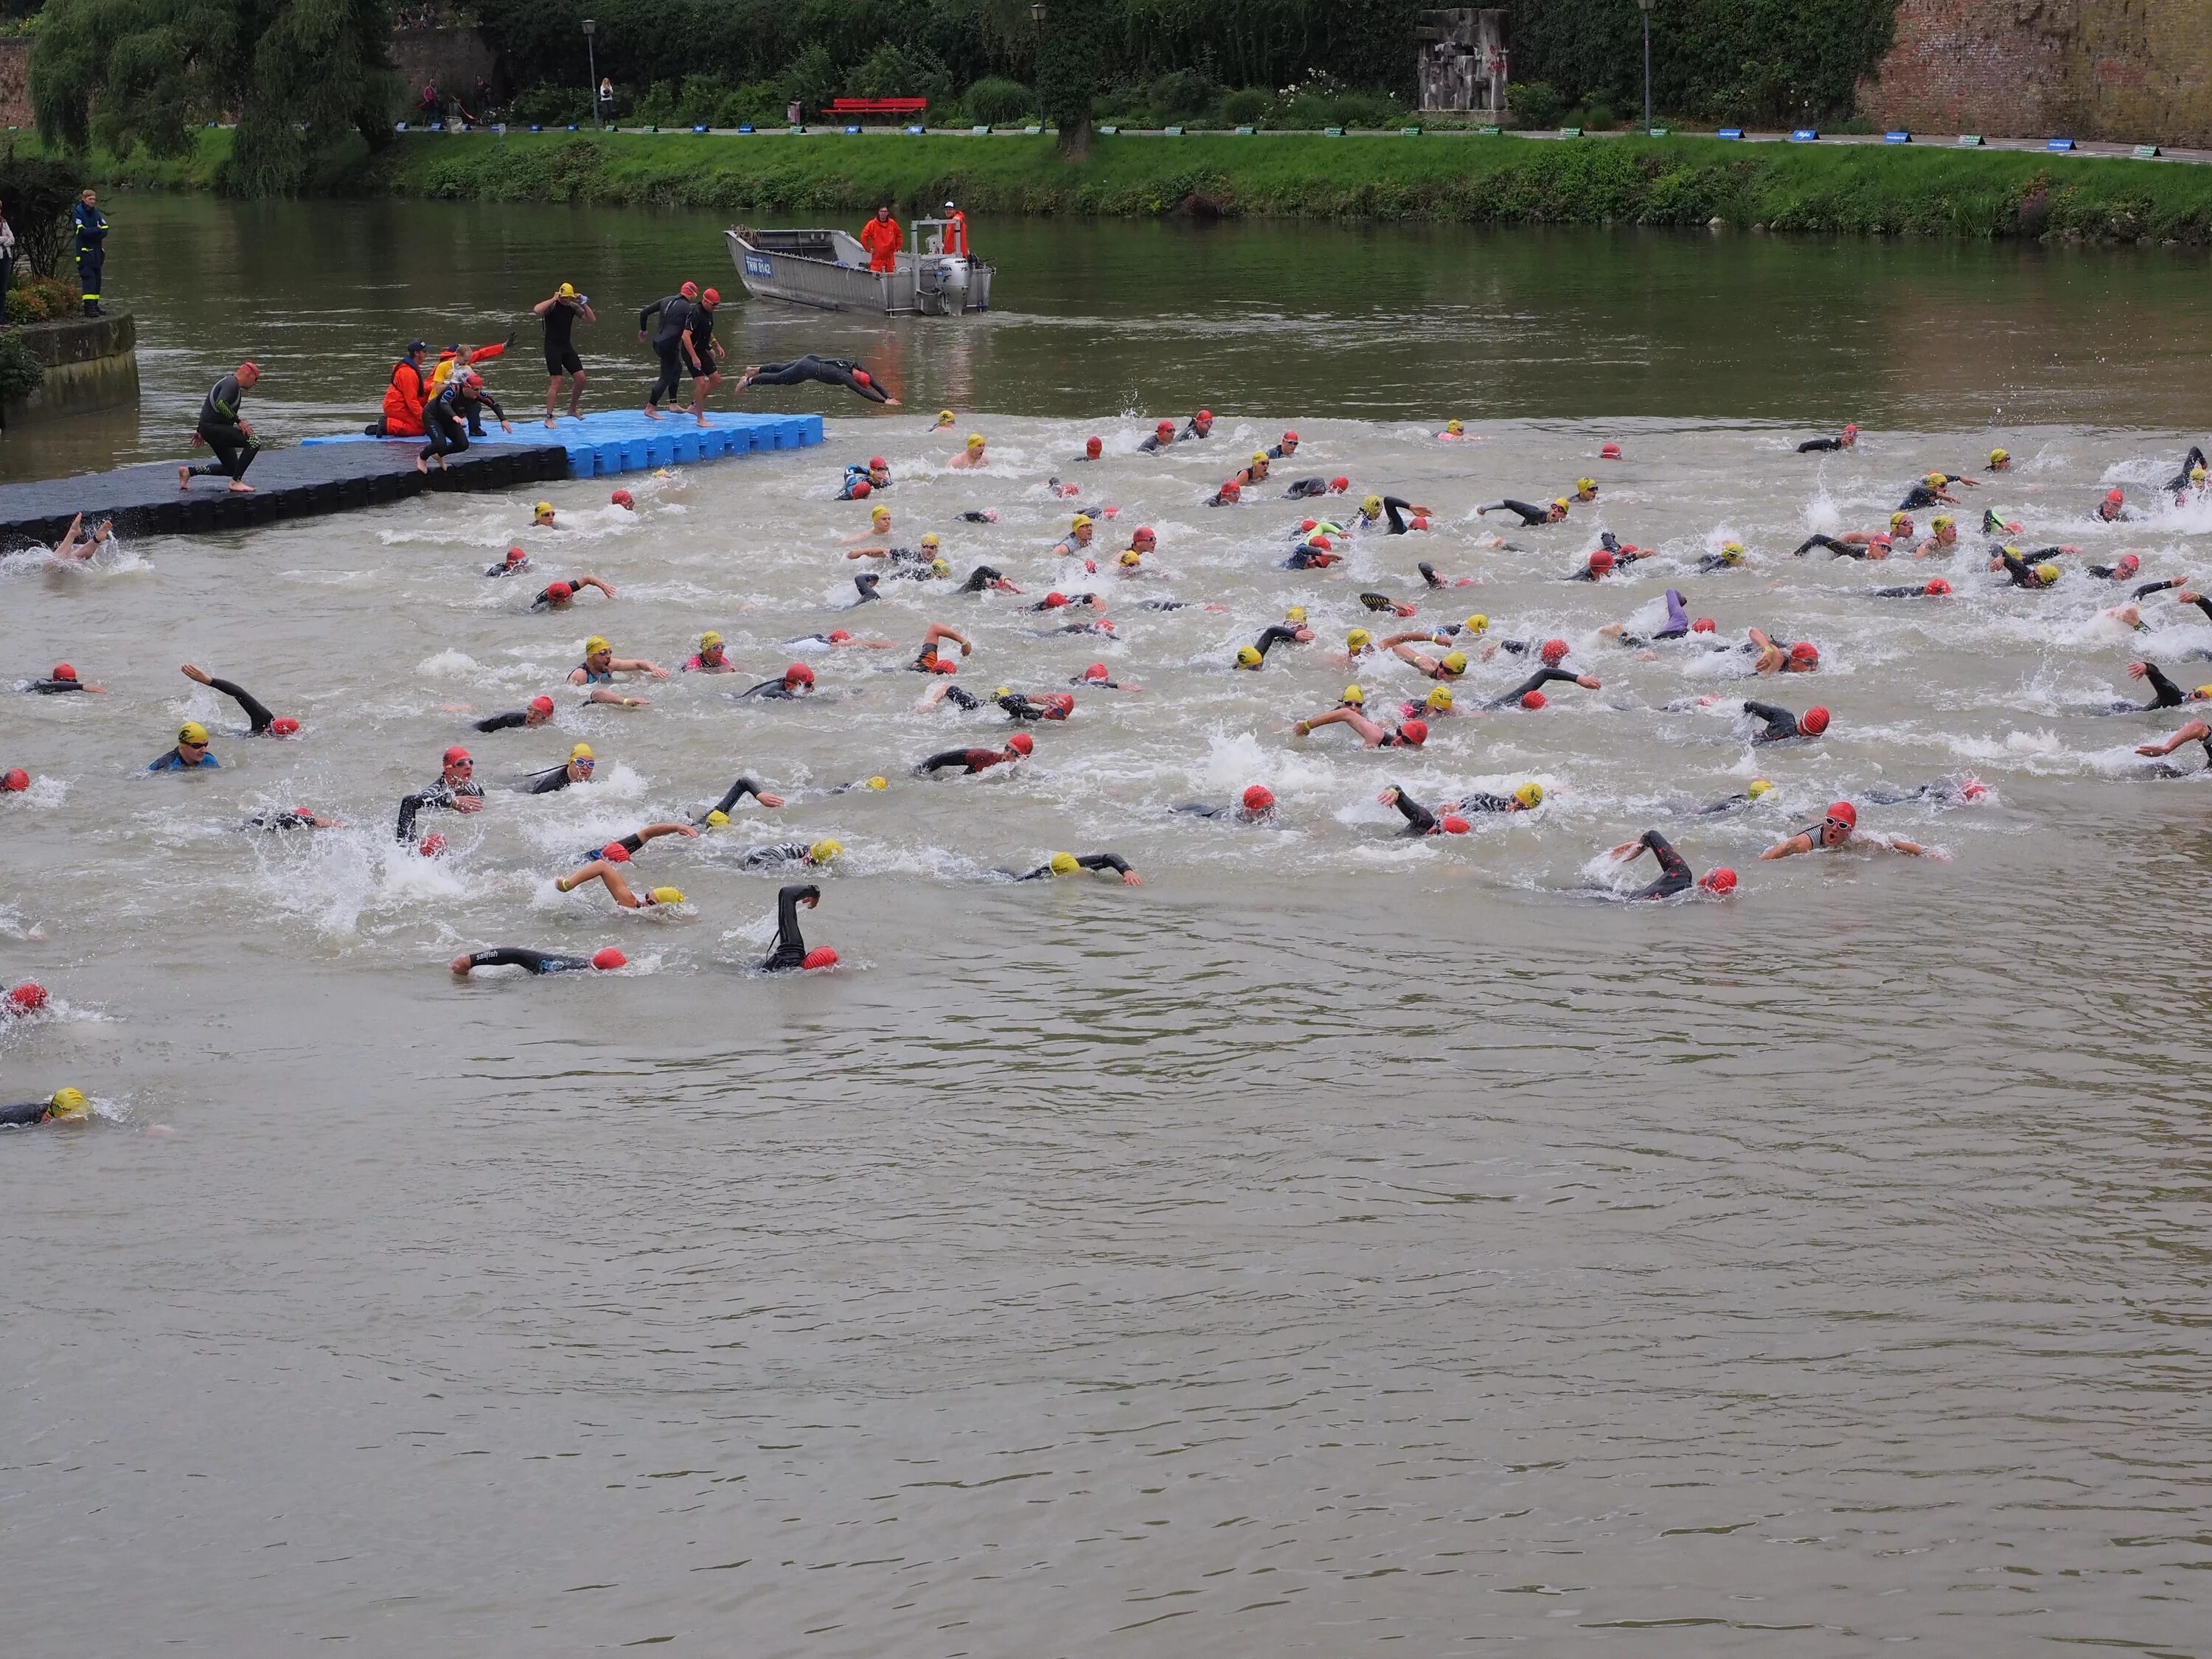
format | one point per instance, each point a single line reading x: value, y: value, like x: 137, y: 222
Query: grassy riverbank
x: 1436, y: 178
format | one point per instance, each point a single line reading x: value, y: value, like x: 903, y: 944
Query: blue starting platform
x: 610, y: 442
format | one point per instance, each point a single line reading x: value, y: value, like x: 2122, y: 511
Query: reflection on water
x: 1340, y: 1244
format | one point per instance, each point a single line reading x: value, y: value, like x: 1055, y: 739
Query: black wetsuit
x: 503, y: 568
x: 702, y: 330
x: 1780, y: 724
x: 1071, y: 599
x: 1675, y: 876
x: 53, y: 688
x: 1713, y: 562
x: 560, y: 358
x: 668, y: 319
x: 1394, y: 509
x: 1375, y: 601
x: 2180, y: 480
x: 1274, y: 635
x: 1420, y: 821
x: 1113, y: 861
x: 504, y: 722
x: 519, y: 956
x: 968, y: 760
x: 1542, y: 677
x: 1919, y: 495
x: 866, y: 583
x: 1841, y: 550
x: 1814, y: 445
x: 789, y: 951
x: 776, y: 690
x: 1725, y: 803
x: 2165, y: 693
x: 551, y: 783
x: 2020, y: 574
x: 830, y: 371
x: 2149, y: 588
x: 1530, y: 515
x: 545, y: 601
x: 1190, y: 431
x: 219, y: 430
x: 261, y: 718
x: 22, y: 1116
x: 730, y: 797
x: 437, y: 795
x: 1911, y: 591
x: 768, y: 858
x: 1016, y: 703
x: 446, y: 416
x: 1306, y: 558
x: 1306, y: 488
x: 981, y: 577
x: 291, y: 817
x: 2110, y: 572
x: 1198, y: 809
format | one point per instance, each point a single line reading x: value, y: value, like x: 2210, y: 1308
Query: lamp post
x: 1644, y: 6
x: 1037, y: 17
x: 591, y: 60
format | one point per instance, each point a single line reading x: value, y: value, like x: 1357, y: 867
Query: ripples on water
x: 1339, y: 1243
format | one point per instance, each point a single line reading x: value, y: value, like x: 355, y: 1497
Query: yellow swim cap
x: 192, y: 732
x: 1530, y: 794
x: 667, y: 895
x: 1440, y: 698
x: 1353, y: 694
x: 1478, y: 623
x: 1758, y: 788
x: 1372, y: 504
x: 1456, y: 663
x: 1561, y: 501
x: 596, y: 644
x: 879, y: 783
x: 1063, y: 864
x: 931, y: 540
x: 1935, y: 480
x: 717, y: 819
x: 1942, y: 521
x: 975, y: 440
x: 880, y: 511
x: 567, y: 290
x: 1997, y: 455
x: 1455, y: 427
x: 1131, y: 557
x: 581, y: 751
x: 1258, y: 457
x: 541, y: 509
x: 1248, y: 656
x: 1358, y: 640
x: 1731, y: 552
x: 2203, y: 692
x: 823, y: 851
x: 2197, y: 475
x: 944, y: 417
x: 2048, y: 572
x: 938, y: 567
x: 1296, y: 613
x: 1896, y: 519
x: 1004, y: 691
x: 1081, y: 521
x: 1586, y: 484
x: 67, y: 1103
x: 709, y: 640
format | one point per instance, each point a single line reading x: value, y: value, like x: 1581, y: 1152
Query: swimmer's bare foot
x: 421, y: 465
x: 549, y: 420
x: 239, y: 487
x: 651, y: 413
x: 891, y: 402
x: 184, y: 478
x: 746, y: 379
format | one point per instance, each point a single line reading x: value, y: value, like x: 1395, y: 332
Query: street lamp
x: 1644, y: 6
x: 1037, y: 14
x: 592, y: 59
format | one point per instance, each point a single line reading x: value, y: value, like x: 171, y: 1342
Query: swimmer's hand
x: 468, y: 803
x: 769, y: 800
x: 1628, y: 849
x: 1131, y: 878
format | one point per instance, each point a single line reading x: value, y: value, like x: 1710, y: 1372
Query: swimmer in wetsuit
x: 62, y: 681
x: 606, y: 869
x: 1781, y: 725
x: 1391, y: 510
x: 971, y: 761
x: 1318, y: 553
x: 2024, y: 574
x: 2123, y: 570
x: 2165, y: 693
x: 295, y: 817
x: 1674, y: 875
x: 1848, y: 439
x: 1306, y: 488
x: 1769, y: 658
x: 1834, y: 830
x: 931, y: 660
x: 1069, y: 864
x: 63, y: 1106
x: 1730, y: 557
x: 1257, y: 805
x: 577, y: 768
x: 789, y: 950
x: 559, y: 596
x: 796, y: 681
x: 1410, y: 734
x: 984, y: 577
x: 1757, y: 790
x: 1053, y: 706
x: 1935, y: 589
x: 829, y: 371
x: 1535, y: 682
x: 1677, y: 627
x: 455, y: 791
x: 1275, y: 634
x: 1873, y: 547
x: 1530, y: 515
x: 191, y: 753
x: 1162, y: 436
x: 818, y: 856
x: 719, y: 814
x: 2192, y: 466
x: 539, y: 712
x: 1964, y: 790
x: 599, y: 667
x: 515, y: 565
x: 537, y: 961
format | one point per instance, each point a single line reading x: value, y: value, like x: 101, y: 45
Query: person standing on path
x: 220, y: 430
x: 7, y: 264
x: 559, y: 315
x: 91, y: 227
x: 881, y: 237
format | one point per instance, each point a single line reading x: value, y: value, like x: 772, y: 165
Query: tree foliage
x: 38, y: 192
x: 297, y: 74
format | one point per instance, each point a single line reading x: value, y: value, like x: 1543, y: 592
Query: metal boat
x: 829, y: 270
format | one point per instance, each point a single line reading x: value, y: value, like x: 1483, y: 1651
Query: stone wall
x: 15, y: 82
x: 452, y: 57
x: 2135, y: 71
x: 91, y: 362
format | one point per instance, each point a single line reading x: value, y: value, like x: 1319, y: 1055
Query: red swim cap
x: 609, y: 958
x: 878, y: 464
x: 434, y: 845
x: 1164, y: 426
x: 1703, y: 625
x: 251, y: 364
x: 1804, y: 651
x: 944, y: 666
x: 1289, y: 437
x: 559, y: 590
x: 1021, y: 743
x: 1554, y: 652
x: 863, y: 377
x: 799, y: 674
x: 1813, y: 720
x: 456, y: 755
x: 1310, y: 524
x: 1452, y: 825
x: 542, y: 704
x: 1418, y: 521
x: 1851, y: 428
x: 1937, y: 588
x: 14, y: 780
x: 1414, y: 731
x: 283, y: 727
x: 2128, y: 564
x: 2113, y: 495
x: 1096, y: 671
x: 63, y: 672
x: 1610, y: 453
x: 1071, y: 490
x: 861, y: 490
x: 1601, y: 559
x: 1091, y: 447
x: 839, y: 636
x: 1064, y: 701
x: 1143, y: 533
x: 1053, y: 601
x: 516, y: 555
x: 1719, y: 881
x: 1233, y: 490
x: 623, y: 498
x: 689, y: 290
x: 27, y: 997
x: 1205, y: 415
x: 1338, y: 486
x: 1843, y: 812
x: 1258, y: 798
x: 1533, y: 700
x: 615, y: 853
x: 1321, y: 544
x: 711, y: 296
x: 820, y: 957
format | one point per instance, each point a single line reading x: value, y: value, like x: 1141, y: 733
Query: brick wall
x: 2138, y: 70
x: 15, y: 82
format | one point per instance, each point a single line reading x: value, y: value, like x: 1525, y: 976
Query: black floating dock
x: 300, y: 483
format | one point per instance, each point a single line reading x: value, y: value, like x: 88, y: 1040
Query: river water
x: 1340, y: 1244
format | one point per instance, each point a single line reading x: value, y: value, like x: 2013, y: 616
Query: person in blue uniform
x: 90, y: 225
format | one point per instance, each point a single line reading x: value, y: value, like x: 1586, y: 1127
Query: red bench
x: 878, y: 106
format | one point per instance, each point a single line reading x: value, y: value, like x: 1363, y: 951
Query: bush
x: 552, y: 106
x: 1598, y: 116
x: 39, y: 194
x: 42, y: 298
x: 812, y: 78
x: 1310, y: 112
x: 1182, y: 93
x: 998, y: 101
x: 1534, y: 105
x: 1245, y: 106
x: 757, y: 104
x: 21, y: 374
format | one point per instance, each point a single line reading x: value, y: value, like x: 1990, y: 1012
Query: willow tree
x: 298, y: 75
x: 1067, y: 70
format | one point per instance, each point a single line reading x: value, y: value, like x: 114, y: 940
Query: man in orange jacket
x: 881, y: 237
x: 403, y: 398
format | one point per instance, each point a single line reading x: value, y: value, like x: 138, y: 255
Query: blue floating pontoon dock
x: 617, y: 441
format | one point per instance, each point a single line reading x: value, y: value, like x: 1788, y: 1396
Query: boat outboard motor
x: 953, y: 279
